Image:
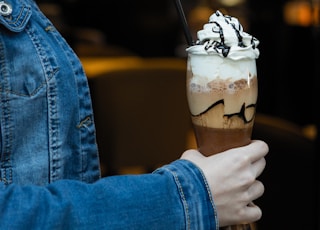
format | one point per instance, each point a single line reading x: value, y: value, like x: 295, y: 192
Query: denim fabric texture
x: 49, y: 165
x: 46, y: 119
x: 174, y: 197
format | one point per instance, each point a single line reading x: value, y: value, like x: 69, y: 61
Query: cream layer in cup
x: 222, y: 87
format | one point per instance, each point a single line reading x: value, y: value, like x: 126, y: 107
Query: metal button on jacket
x: 5, y: 9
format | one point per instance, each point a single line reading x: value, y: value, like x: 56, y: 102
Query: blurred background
x: 288, y: 31
x: 288, y: 72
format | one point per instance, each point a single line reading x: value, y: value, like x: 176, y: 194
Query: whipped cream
x: 224, y: 36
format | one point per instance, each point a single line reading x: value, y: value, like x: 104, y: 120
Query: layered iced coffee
x: 222, y: 87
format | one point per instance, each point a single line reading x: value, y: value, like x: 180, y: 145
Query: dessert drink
x: 222, y: 87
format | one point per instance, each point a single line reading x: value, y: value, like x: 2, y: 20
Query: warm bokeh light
x: 301, y: 13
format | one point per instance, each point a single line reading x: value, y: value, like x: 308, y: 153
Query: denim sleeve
x: 198, y: 206
x: 175, y: 197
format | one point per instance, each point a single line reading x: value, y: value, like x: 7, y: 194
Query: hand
x: 232, y: 178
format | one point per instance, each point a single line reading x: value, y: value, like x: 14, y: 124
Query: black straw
x: 184, y: 23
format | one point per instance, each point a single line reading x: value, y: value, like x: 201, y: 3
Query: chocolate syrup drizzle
x: 240, y: 114
x: 221, y: 47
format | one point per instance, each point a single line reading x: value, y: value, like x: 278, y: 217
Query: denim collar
x: 19, y: 16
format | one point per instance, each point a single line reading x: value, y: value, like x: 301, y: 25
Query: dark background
x: 287, y: 65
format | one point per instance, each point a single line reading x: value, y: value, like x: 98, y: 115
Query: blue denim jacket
x: 47, y: 129
x: 49, y: 165
x: 175, y: 197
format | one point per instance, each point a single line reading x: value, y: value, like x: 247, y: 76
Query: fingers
x: 255, y: 191
x: 253, y: 152
x: 250, y: 212
x: 253, y: 213
x: 257, y: 150
x: 235, y: 189
x: 246, y: 214
x: 259, y: 166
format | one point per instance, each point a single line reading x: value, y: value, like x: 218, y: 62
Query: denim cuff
x: 197, y: 200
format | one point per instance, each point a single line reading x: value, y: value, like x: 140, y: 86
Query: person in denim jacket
x: 49, y: 165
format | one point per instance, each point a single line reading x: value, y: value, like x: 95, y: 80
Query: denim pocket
x: 27, y: 60
x: 28, y: 64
